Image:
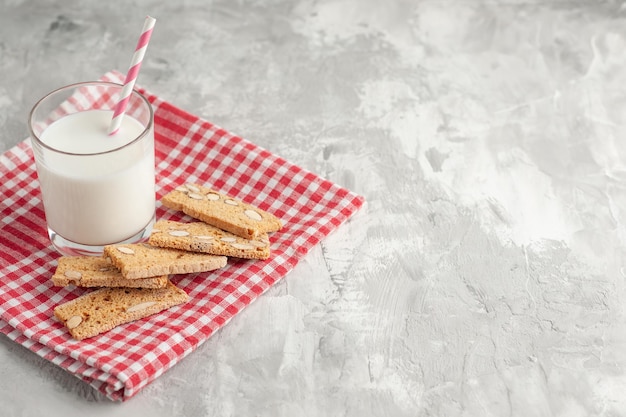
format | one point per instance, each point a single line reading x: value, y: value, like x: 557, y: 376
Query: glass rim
x: 139, y: 137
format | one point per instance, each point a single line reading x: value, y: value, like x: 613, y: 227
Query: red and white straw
x: 131, y: 75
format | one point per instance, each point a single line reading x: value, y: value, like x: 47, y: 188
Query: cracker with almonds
x: 91, y: 271
x: 202, y: 237
x: 103, y: 309
x: 139, y: 260
x: 221, y: 211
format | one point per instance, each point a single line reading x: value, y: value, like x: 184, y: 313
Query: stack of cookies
x: 133, y: 279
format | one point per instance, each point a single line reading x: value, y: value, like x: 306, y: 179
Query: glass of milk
x: 97, y: 189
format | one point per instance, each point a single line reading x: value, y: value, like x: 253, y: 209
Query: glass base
x: 69, y: 248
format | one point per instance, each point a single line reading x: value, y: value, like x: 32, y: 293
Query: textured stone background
x: 486, y: 275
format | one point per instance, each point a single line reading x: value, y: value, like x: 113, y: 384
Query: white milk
x: 96, y: 199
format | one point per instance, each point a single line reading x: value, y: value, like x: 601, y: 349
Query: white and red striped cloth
x: 121, y: 362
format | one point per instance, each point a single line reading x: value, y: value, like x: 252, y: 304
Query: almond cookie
x: 91, y: 271
x: 102, y: 310
x: 139, y: 260
x: 202, y: 237
x: 221, y: 211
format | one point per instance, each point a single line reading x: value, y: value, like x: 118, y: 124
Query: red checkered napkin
x: 121, y: 362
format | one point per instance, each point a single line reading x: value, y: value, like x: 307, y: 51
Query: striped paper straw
x: 131, y: 75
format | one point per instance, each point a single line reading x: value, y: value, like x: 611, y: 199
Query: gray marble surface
x: 485, y: 277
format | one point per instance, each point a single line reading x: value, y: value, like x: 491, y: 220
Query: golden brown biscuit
x: 103, y: 309
x: 202, y: 237
x: 91, y: 271
x: 221, y: 211
x: 139, y: 260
